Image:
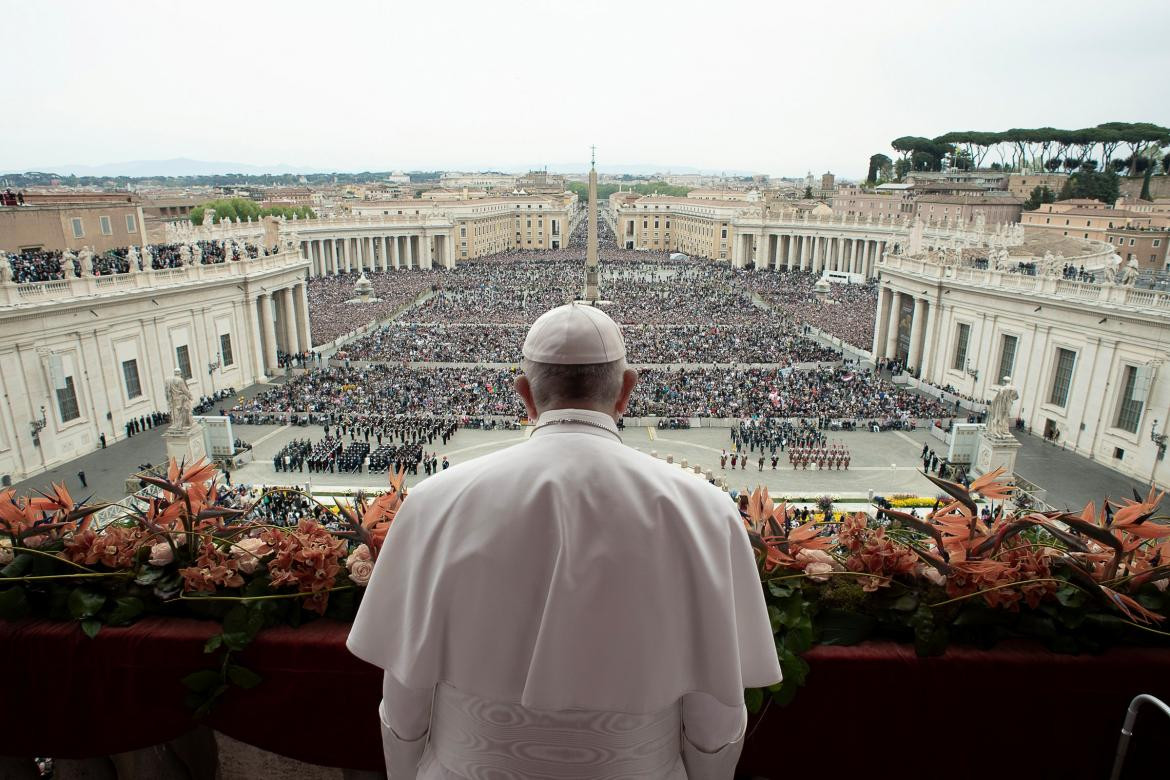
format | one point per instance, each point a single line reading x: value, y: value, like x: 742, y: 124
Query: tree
x: 901, y: 168
x: 1052, y: 164
x: 1166, y: 163
x: 241, y: 209
x: 1039, y: 195
x: 877, y: 164
x: 808, y: 193
x: 1146, y: 183
x: 1104, y: 186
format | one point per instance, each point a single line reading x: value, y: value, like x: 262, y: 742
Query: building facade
x: 87, y: 355
x: 1090, y: 360
x: 57, y: 227
x: 967, y: 209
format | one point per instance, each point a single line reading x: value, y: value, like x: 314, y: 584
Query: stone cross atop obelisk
x: 592, y: 293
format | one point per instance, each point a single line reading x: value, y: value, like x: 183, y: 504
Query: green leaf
x: 85, y: 603
x: 236, y: 620
x: 754, y: 699
x: 213, y: 643
x: 775, y: 617
x: 205, y: 708
x: 91, y: 626
x: 149, y: 575
x: 243, y: 677
x: 19, y: 566
x: 1071, y: 597
x: 839, y: 627
x: 13, y: 603
x: 794, y: 668
x: 786, y: 694
x: 779, y: 591
x: 908, y: 602
x: 236, y: 640
x: 799, y: 639
x: 126, y: 609
x: 1151, y: 600
x: 203, y: 680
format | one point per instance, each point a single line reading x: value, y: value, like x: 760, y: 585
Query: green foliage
x: 1145, y: 195
x: 878, y: 164
x: 646, y: 188
x: 1039, y: 195
x: 1104, y: 186
x: 241, y: 624
x: 808, y: 193
x: 243, y: 209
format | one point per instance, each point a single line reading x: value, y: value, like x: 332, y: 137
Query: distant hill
x: 180, y: 166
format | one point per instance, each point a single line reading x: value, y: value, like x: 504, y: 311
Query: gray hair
x: 555, y: 385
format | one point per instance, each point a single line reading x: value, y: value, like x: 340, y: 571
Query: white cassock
x: 565, y: 608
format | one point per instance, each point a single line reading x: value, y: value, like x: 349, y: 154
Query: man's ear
x: 629, y: 382
x: 524, y: 390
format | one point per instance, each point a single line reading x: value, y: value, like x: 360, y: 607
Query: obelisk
x: 592, y: 293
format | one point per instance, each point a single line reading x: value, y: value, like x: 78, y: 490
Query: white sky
x: 770, y: 87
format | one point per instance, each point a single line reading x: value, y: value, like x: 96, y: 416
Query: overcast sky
x: 770, y: 87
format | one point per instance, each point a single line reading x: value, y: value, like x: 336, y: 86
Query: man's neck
x: 572, y: 407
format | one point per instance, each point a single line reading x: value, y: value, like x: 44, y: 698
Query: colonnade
x: 902, y: 313
x: 281, y: 325
x: 810, y: 252
x: 378, y: 252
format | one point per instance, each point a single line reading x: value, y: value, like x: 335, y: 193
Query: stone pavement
x: 885, y: 463
x: 106, y: 470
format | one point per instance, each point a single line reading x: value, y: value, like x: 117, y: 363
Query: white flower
x: 6, y: 553
x: 161, y: 554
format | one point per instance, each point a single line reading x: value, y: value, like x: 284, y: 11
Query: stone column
x: 384, y: 251
x: 268, y: 328
x: 256, y: 338
x: 394, y: 252
x: 426, y: 254
x: 880, y: 322
x: 892, y: 330
x: 301, y: 309
x: 288, y: 315
x: 817, y: 248
x: 409, y: 252
x: 790, y: 251
x: 346, y: 255
x: 804, y: 253
x: 850, y: 249
x: 916, y: 326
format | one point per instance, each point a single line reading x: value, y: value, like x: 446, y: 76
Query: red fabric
x: 874, y: 710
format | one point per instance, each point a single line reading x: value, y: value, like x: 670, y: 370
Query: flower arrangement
x: 1074, y: 581
x: 180, y: 552
x: 912, y: 502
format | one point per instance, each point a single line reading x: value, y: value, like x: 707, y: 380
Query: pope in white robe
x: 569, y: 607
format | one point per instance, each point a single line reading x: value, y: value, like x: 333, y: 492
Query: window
x: 130, y: 374
x: 131, y: 224
x: 1131, y: 241
x: 1157, y: 242
x: 105, y: 223
x: 1007, y: 358
x: 225, y: 350
x: 78, y: 231
x: 1118, y: 453
x: 963, y: 336
x: 724, y: 234
x: 1062, y: 379
x: 1129, y: 410
x: 67, y: 401
x: 183, y: 360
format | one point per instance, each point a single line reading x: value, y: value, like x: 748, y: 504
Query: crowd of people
x: 331, y: 313
x: 377, y: 393
x: 40, y: 265
x: 771, y: 343
x: 847, y: 312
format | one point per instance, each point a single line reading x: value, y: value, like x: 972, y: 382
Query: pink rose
x: 248, y: 553
x: 360, y: 565
x: 818, y: 564
x: 161, y: 554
